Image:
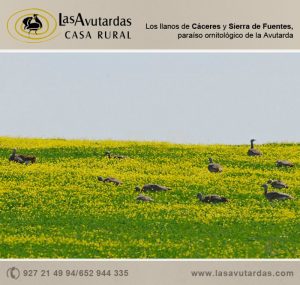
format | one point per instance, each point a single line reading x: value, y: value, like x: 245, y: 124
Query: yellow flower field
x: 57, y: 208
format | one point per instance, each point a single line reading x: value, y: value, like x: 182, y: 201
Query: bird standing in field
x: 143, y: 198
x: 214, y: 167
x: 284, y: 163
x: 212, y: 198
x: 20, y: 158
x: 118, y: 156
x: 252, y: 151
x: 275, y: 195
x: 110, y: 180
x: 152, y: 187
x: 278, y: 184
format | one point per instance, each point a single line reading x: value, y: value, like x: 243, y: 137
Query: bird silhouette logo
x: 32, y: 24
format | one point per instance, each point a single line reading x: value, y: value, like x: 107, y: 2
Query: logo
x: 32, y: 26
x: 13, y: 273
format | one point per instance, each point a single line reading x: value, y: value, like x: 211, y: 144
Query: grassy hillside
x: 57, y: 208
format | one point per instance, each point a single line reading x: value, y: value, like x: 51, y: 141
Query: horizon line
x: 142, y: 141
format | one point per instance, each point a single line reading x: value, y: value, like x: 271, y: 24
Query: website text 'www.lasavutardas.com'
x: 242, y: 273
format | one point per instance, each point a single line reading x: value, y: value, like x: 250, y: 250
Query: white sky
x: 185, y: 98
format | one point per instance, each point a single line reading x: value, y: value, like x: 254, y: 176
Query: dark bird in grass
x: 252, y: 151
x: 152, y: 187
x: 110, y: 155
x: 211, y: 198
x: 143, y: 198
x: 110, y: 180
x: 278, y: 184
x: 20, y: 158
x: 284, y: 163
x: 275, y: 195
x: 214, y: 167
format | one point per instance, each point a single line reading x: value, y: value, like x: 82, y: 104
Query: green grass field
x: 56, y: 208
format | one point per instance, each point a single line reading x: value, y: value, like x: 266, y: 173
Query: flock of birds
x: 212, y: 167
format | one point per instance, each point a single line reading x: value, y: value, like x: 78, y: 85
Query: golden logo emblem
x: 32, y: 26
